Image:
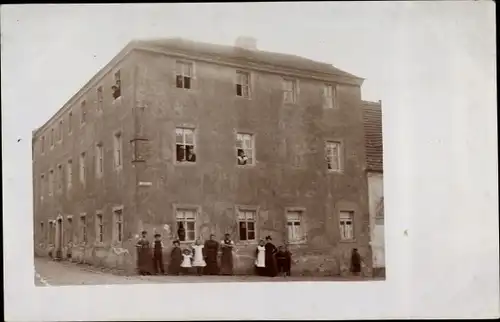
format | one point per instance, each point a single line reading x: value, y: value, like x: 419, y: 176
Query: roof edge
x: 100, y: 74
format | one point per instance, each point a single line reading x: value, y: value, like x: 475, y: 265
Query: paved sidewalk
x: 52, y: 273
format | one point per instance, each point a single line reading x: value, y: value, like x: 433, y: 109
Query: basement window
x: 185, y: 145
x: 183, y: 74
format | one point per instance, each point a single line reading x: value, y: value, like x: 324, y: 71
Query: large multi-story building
x: 214, y: 139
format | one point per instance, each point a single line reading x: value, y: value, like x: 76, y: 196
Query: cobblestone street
x: 52, y: 273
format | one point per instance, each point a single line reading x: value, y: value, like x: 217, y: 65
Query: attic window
x: 117, y: 87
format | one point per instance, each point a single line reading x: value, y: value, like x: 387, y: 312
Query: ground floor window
x: 186, y: 224
x: 246, y: 224
x: 346, y: 225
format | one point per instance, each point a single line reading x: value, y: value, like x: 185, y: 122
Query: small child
x: 198, y: 260
x: 186, y: 261
x: 174, y: 267
x: 158, y: 255
x: 284, y: 261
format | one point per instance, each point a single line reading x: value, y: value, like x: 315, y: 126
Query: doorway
x: 59, y: 238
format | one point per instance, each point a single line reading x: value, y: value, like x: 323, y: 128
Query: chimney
x: 245, y: 42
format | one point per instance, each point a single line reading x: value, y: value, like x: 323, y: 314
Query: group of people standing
x: 204, y: 259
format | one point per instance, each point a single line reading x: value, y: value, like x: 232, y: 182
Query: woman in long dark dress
x: 211, y: 251
x: 174, y: 267
x: 226, y: 261
x: 355, y: 262
x: 271, y: 250
x: 144, y: 255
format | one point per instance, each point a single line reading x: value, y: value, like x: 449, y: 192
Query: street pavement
x: 53, y: 273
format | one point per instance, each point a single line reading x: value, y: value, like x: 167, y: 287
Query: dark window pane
x: 190, y: 225
x: 243, y: 231
x: 251, y: 235
x: 290, y: 223
x: 187, y: 82
x: 190, y: 235
x: 238, y: 90
x: 297, y: 223
x: 251, y: 225
x: 179, y: 152
x: 178, y: 81
x: 190, y: 155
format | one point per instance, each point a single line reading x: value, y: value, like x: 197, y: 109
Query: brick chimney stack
x: 245, y: 42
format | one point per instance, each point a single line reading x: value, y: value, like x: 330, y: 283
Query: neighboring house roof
x: 240, y: 55
x: 372, y: 121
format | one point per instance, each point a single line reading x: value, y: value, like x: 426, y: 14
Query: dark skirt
x: 144, y: 261
x: 226, y: 262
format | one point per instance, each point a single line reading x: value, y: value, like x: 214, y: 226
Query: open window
x: 244, y: 149
x: 183, y: 74
x: 185, y: 145
x: 116, y: 88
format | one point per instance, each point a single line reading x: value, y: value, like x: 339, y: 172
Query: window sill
x: 246, y: 242
x: 249, y: 98
x: 335, y: 171
x: 290, y: 104
x: 246, y: 166
x: 118, y: 168
x: 347, y: 241
x: 303, y: 242
x: 99, y: 244
x: 185, y: 164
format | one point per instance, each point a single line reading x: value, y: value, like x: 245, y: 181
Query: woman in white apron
x: 260, y: 260
x: 198, y: 260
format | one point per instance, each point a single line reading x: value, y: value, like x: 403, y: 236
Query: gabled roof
x: 372, y: 122
x: 240, y: 55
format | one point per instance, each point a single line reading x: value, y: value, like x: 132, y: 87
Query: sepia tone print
x: 187, y: 161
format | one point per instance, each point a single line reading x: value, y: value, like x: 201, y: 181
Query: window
x: 43, y: 144
x: 42, y: 186
x: 246, y: 224
x: 289, y: 90
x: 70, y: 230
x: 42, y: 231
x: 82, y: 167
x: 99, y: 160
x: 59, y: 177
x: 243, y: 84
x: 244, y: 149
x: 83, y: 229
x: 329, y: 95
x: 117, y: 87
x: 118, y: 218
x: 83, y: 111
x: 69, y: 173
x: 70, y: 122
x: 333, y: 156
x: 51, y: 182
x: 295, y: 228
x: 60, y: 131
x: 186, y: 219
x: 184, y: 74
x: 184, y: 142
x: 51, y: 137
x: 118, y: 150
x: 346, y: 225
x: 99, y: 232
x: 99, y: 98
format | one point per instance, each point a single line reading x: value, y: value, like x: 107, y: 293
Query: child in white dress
x: 260, y: 260
x: 186, y: 261
x: 198, y: 260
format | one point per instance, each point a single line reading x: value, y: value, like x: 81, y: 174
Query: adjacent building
x: 375, y: 176
x: 189, y: 139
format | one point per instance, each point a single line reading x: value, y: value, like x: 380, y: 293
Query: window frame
x: 69, y: 174
x: 60, y: 132
x: 118, y: 146
x: 118, y: 225
x: 42, y: 144
x: 70, y: 122
x: 183, y: 75
x: 342, y: 230
x: 185, y: 128
x: 99, y: 158
x: 330, y: 101
x: 186, y: 207
x: 246, y: 209
x: 294, y: 90
x: 99, y: 227
x: 42, y: 186
x: 82, y: 167
x: 248, y: 86
x: 51, y: 182
x: 100, y: 98
x: 302, y: 221
x: 60, y: 178
x: 82, y: 229
x: 340, y: 158
x: 83, y: 112
x: 253, y: 155
x: 117, y: 77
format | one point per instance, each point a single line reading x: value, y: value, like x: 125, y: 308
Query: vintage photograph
x: 204, y: 162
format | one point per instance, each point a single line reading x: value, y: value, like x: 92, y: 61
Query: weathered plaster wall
x: 376, y: 192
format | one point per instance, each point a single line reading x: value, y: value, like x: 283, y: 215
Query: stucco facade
x: 289, y: 172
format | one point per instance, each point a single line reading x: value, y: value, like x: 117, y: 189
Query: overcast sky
x: 431, y: 63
